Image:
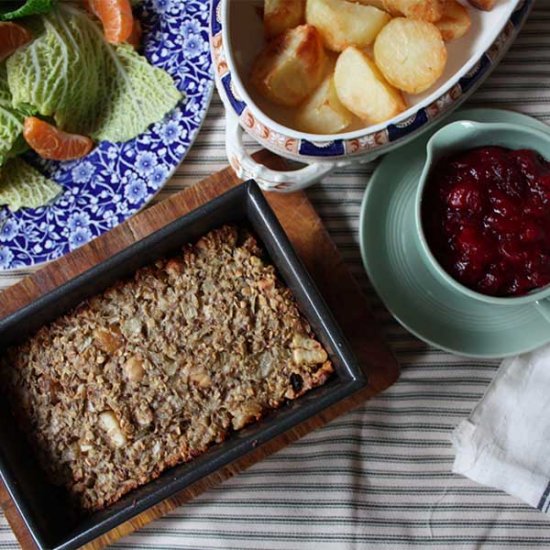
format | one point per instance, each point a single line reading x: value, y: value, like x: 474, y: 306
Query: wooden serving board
x: 322, y: 259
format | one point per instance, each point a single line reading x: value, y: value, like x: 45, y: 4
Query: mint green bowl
x: 416, y: 290
x: 467, y: 134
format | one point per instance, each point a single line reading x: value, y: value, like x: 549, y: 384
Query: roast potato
x: 282, y: 15
x: 362, y: 88
x: 323, y: 113
x: 344, y: 24
x: 428, y: 10
x: 410, y: 53
x: 455, y: 22
x: 291, y: 66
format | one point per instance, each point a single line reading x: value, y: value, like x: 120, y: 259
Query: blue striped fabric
x: 545, y: 500
x: 381, y: 475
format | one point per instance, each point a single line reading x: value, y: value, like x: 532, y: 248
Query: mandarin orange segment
x: 12, y: 37
x: 52, y: 143
x: 116, y: 17
x: 135, y: 38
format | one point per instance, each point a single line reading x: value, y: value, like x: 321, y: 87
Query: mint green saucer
x: 430, y: 310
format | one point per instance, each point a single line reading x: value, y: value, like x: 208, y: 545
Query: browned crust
x: 455, y: 22
x: 427, y: 10
x: 300, y: 51
x: 484, y: 5
x: 282, y: 15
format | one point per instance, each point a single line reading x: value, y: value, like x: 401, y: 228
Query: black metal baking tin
x: 43, y: 508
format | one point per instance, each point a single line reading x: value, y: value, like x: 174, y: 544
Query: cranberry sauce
x: 486, y: 217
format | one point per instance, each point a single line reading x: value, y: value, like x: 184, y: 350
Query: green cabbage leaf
x: 69, y: 72
x: 140, y: 95
x: 11, y: 121
x: 15, y: 9
x: 22, y: 186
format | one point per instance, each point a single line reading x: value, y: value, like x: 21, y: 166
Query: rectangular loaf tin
x: 40, y: 504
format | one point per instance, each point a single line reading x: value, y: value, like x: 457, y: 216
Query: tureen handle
x: 269, y: 180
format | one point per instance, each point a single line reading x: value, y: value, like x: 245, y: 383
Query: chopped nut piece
x: 264, y: 284
x: 133, y: 369
x: 174, y: 267
x: 144, y: 415
x: 247, y: 413
x: 109, y: 340
x: 50, y: 387
x: 200, y: 377
x: 108, y: 421
x: 132, y: 327
x: 267, y: 364
x: 307, y: 351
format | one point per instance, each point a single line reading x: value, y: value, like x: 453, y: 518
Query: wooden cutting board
x: 321, y: 257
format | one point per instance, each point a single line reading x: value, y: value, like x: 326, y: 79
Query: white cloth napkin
x: 505, y: 443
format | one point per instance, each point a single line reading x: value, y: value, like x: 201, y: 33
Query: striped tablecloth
x: 380, y: 476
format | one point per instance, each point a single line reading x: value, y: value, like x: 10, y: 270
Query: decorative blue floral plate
x: 116, y: 180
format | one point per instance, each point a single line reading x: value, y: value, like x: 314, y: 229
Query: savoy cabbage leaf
x: 22, y: 186
x: 90, y: 87
x: 15, y: 9
x: 11, y: 121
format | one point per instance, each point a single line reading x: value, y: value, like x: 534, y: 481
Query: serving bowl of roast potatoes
x: 330, y: 82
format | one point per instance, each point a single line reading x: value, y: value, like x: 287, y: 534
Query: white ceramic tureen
x: 236, y: 36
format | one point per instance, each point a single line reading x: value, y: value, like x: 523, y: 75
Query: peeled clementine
x: 54, y: 144
x: 12, y: 37
x: 116, y: 17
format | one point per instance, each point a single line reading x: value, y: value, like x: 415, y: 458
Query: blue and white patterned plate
x: 116, y: 180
